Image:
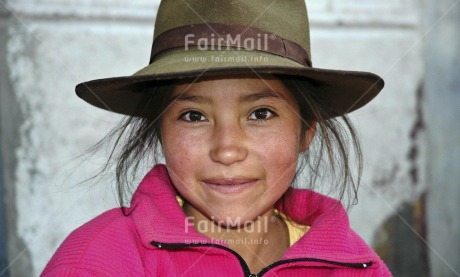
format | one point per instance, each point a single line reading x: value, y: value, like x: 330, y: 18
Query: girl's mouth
x: 230, y: 186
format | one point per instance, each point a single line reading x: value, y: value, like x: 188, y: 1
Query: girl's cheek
x: 281, y: 140
x: 182, y: 145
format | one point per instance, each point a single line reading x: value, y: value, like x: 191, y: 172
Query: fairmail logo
x: 225, y: 42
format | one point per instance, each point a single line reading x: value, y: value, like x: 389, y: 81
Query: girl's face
x: 231, y: 146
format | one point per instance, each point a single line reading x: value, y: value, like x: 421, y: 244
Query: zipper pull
x: 365, y: 265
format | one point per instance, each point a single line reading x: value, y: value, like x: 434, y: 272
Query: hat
x: 197, y: 38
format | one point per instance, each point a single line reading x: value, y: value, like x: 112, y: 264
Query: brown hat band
x: 217, y: 36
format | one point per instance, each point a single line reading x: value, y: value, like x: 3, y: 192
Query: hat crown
x: 287, y: 19
x: 231, y: 27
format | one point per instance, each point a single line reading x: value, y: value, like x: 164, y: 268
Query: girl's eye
x: 262, y: 114
x: 193, y: 116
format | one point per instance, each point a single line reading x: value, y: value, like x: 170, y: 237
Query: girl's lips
x: 229, y: 186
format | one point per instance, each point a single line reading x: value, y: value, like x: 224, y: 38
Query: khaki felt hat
x: 196, y: 38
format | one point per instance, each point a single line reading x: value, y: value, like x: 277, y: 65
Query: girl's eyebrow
x: 254, y: 96
x: 249, y: 97
x: 192, y: 98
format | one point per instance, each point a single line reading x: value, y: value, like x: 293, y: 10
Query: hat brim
x: 343, y: 91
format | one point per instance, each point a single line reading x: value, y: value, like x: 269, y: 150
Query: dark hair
x: 137, y: 142
x: 335, y: 153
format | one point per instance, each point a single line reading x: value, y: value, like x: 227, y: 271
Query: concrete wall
x: 442, y: 109
x: 48, y: 46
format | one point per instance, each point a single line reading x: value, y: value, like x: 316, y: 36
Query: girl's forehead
x: 231, y: 84
x: 234, y: 89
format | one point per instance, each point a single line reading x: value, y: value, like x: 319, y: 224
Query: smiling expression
x: 231, y: 146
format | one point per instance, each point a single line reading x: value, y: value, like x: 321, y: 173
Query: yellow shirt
x: 296, y: 231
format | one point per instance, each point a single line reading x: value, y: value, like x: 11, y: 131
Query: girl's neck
x: 260, y: 242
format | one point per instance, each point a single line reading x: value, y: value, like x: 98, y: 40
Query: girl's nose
x: 228, y: 145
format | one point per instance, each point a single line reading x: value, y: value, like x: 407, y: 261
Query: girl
x: 231, y: 102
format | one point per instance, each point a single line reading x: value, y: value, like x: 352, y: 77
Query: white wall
x: 51, y: 45
x: 442, y: 107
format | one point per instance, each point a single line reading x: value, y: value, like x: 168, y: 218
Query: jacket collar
x: 158, y: 217
x: 156, y: 212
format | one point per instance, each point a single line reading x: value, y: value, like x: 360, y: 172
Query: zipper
x: 245, y: 266
x: 243, y: 263
x: 349, y: 265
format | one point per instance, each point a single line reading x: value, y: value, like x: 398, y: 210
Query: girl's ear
x: 308, y: 137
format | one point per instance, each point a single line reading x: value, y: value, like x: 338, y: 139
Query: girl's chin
x: 235, y: 222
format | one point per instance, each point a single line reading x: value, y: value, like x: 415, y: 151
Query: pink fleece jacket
x: 151, y: 240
